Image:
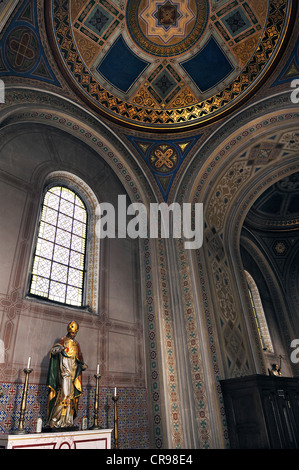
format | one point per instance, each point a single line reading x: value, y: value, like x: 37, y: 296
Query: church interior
x: 158, y: 102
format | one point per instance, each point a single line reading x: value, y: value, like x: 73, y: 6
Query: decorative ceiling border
x: 209, y: 110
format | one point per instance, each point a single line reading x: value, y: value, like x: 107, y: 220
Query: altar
x: 89, y: 439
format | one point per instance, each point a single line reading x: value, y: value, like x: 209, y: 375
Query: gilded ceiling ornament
x: 166, y: 23
x: 163, y: 158
x: 165, y: 64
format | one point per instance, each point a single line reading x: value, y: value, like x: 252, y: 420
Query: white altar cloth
x: 89, y: 439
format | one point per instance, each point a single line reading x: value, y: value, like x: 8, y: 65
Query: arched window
x: 59, y: 260
x: 259, y: 314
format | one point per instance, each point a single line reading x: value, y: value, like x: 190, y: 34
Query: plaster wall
x: 111, y: 336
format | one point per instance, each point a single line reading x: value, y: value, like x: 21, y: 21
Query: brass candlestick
x: 21, y: 429
x: 96, y: 403
x: 115, y: 398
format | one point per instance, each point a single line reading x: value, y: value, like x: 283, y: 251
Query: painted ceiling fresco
x: 166, y: 64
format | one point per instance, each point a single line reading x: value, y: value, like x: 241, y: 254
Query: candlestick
x: 21, y: 429
x: 39, y: 425
x: 96, y: 402
x: 115, y: 398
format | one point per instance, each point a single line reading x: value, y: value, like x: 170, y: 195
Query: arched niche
x: 56, y: 139
x: 269, y: 248
x: 230, y: 171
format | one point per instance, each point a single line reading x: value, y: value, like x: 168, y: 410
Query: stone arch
x: 64, y: 116
x: 227, y: 170
x: 246, y: 171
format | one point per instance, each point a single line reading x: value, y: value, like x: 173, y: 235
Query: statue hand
x: 58, y: 348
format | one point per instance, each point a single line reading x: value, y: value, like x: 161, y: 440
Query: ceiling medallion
x: 163, y: 158
x: 166, y: 64
x: 166, y: 27
x: 167, y: 14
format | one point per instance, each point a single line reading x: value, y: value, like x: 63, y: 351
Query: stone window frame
x: 92, y: 253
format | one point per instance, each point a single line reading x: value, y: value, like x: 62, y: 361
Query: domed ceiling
x: 277, y: 208
x: 166, y: 64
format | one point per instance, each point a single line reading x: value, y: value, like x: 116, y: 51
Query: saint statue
x: 65, y: 379
x: 276, y: 370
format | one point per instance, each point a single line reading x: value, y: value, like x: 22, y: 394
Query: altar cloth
x: 88, y: 439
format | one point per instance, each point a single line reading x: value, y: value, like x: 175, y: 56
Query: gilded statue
x: 276, y: 370
x: 65, y: 379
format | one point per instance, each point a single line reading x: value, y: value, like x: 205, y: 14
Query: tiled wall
x: 132, y: 411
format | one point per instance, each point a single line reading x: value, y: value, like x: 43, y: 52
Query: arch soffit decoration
x: 227, y: 147
x: 224, y: 144
x: 218, y: 367
x: 209, y: 167
x: 61, y: 113
x: 232, y: 246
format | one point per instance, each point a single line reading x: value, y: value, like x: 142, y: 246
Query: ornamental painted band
x: 65, y: 379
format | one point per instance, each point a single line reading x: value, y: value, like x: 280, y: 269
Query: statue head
x: 73, y: 328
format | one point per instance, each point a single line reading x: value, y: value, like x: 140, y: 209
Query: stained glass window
x: 59, y: 260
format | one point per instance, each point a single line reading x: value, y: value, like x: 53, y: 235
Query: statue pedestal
x: 89, y: 439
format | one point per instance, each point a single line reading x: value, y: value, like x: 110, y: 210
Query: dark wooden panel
x: 262, y: 412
